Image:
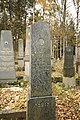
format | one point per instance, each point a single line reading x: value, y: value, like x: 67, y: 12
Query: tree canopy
x: 16, y: 14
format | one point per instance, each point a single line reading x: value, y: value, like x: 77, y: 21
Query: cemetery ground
x: 67, y: 99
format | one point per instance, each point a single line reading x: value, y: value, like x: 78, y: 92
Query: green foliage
x: 59, y: 88
x: 57, y: 79
x: 13, y: 17
x: 23, y: 83
x: 15, y: 12
x: 31, y: 1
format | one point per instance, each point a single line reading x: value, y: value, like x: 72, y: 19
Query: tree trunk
x: 64, y: 19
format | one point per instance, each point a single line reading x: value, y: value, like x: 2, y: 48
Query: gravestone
x: 7, y: 67
x: 69, y: 70
x: 78, y: 59
x: 27, y: 55
x: 20, y: 53
x: 41, y: 104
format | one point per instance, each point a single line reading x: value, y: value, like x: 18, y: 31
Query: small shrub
x: 20, y: 69
x: 57, y: 79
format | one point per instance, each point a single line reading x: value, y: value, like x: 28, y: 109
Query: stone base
x: 7, y: 80
x: 27, y: 69
x: 26, y: 78
x: 21, y: 63
x: 69, y: 82
x: 41, y: 108
x: 52, y: 61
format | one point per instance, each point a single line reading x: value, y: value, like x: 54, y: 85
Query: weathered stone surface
x: 20, y: 53
x: 69, y: 81
x: 7, y: 68
x: 78, y: 59
x: 20, y: 48
x: 27, y: 47
x: 69, y: 70
x: 27, y: 55
x: 41, y: 108
x: 41, y: 105
x: 41, y: 84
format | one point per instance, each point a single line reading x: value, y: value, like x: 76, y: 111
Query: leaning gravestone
x: 7, y: 70
x: 20, y: 53
x: 41, y: 104
x: 69, y: 70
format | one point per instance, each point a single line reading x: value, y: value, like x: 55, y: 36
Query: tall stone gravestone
x: 41, y: 104
x: 20, y: 53
x: 27, y: 55
x: 7, y: 67
x: 78, y: 59
x: 69, y: 70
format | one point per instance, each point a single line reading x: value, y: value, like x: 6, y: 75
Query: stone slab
x: 27, y: 47
x: 27, y: 71
x: 20, y: 48
x: 41, y: 84
x: 41, y: 108
x: 21, y: 63
x: 7, y: 67
x: 20, y: 53
x: 27, y: 55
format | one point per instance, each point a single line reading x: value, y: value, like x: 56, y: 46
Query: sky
x: 72, y: 10
x: 70, y: 7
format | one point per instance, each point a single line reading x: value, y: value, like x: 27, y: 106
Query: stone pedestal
x: 69, y: 82
x: 27, y: 71
x: 20, y: 62
x: 41, y: 108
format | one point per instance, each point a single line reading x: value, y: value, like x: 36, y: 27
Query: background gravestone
x: 27, y: 55
x: 20, y: 53
x: 78, y: 60
x: 69, y: 70
x: 7, y: 69
x: 41, y: 105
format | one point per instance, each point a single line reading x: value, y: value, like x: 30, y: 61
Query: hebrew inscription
x: 41, y: 108
x: 40, y: 60
x: 41, y: 105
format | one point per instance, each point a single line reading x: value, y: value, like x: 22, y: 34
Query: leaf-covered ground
x: 13, y: 99
x: 67, y: 101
